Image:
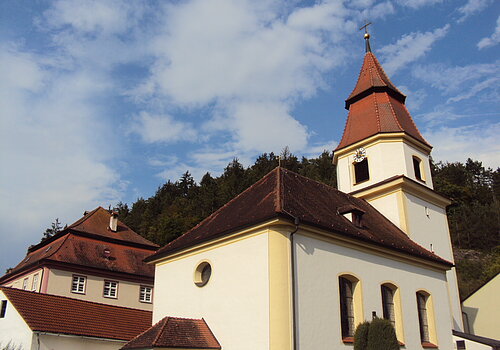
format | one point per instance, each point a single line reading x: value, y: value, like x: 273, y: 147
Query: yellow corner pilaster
x: 280, y: 303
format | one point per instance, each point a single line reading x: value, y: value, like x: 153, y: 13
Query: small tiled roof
x: 282, y: 193
x: 62, y: 315
x: 376, y: 106
x: 174, y: 332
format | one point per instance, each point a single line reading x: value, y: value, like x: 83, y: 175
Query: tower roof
x: 376, y: 106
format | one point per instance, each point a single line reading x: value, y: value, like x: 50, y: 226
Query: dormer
x: 353, y: 214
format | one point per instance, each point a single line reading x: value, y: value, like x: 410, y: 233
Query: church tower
x: 384, y: 159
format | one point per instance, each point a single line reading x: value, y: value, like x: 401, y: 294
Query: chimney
x: 113, y: 222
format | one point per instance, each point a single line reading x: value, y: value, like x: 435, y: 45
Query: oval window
x: 202, y: 274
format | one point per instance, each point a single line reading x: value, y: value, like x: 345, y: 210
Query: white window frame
x: 110, y: 289
x: 78, y: 283
x: 25, y: 283
x: 34, y: 283
x: 146, y: 294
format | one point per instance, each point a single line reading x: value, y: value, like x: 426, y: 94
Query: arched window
x: 388, y: 309
x: 391, y: 308
x: 350, y: 305
x: 426, y: 318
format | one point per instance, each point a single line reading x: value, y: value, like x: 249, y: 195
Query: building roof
x: 495, y: 344
x: 89, y: 243
x: 283, y: 193
x: 376, y: 106
x: 174, y: 332
x: 96, y: 223
x: 62, y: 315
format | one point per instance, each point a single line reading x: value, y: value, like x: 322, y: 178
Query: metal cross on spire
x: 367, y: 36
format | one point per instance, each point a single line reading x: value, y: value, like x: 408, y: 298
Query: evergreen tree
x: 361, y: 336
x: 381, y: 335
x: 54, y: 228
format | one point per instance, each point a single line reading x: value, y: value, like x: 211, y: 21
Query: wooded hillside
x: 474, y: 216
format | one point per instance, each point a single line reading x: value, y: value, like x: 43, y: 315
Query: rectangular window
x: 146, y: 294
x: 346, y: 307
x: 4, y: 308
x: 110, y: 289
x: 34, y: 284
x: 417, y: 163
x: 361, y: 172
x: 25, y: 284
x: 422, y: 317
x: 78, y: 284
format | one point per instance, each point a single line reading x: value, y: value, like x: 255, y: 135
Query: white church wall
x: 235, y: 301
x: 13, y: 329
x: 65, y: 342
x: 390, y: 205
x: 319, y: 264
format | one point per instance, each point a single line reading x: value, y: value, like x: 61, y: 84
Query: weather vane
x: 367, y: 36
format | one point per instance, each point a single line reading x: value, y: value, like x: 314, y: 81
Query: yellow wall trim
x: 280, y: 291
x: 218, y: 242
x: 378, y: 138
x: 407, y: 185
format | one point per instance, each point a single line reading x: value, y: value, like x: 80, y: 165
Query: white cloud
x: 415, y: 4
x: 414, y: 99
x: 379, y: 10
x: 463, y: 82
x: 493, y: 39
x: 472, y: 7
x: 409, y: 48
x: 479, y: 142
x: 162, y: 128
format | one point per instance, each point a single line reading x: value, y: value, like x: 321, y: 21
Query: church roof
x: 283, y: 193
x: 174, y: 332
x: 63, y: 315
x: 376, y: 106
x: 88, y: 243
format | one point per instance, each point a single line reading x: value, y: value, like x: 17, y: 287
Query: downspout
x: 292, y: 257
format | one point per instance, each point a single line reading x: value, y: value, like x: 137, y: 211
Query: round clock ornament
x: 360, y: 155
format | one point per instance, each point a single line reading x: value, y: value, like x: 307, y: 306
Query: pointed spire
x: 376, y: 105
x: 367, y: 37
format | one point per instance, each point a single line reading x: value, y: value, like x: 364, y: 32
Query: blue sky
x: 103, y: 101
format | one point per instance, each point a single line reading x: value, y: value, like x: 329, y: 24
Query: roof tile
x: 58, y: 314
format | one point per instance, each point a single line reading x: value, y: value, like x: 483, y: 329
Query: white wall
x: 386, y: 159
x: 235, y: 301
x: 319, y: 264
x: 471, y: 345
x: 59, y: 283
x: 63, y: 342
x: 13, y: 329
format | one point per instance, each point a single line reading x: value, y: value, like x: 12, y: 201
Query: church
x: 291, y: 263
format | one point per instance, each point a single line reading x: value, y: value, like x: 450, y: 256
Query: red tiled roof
x: 96, y: 222
x: 62, y: 315
x: 376, y: 106
x: 174, y: 332
x: 89, y: 252
x: 283, y: 193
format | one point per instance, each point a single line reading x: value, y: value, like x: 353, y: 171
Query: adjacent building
x: 97, y: 258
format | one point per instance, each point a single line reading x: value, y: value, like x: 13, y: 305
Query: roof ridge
x: 66, y: 236
x: 85, y: 217
x: 215, y: 213
x: 415, y: 125
x: 162, y: 329
x: 377, y: 114
x: 43, y: 295
x: 393, y: 112
x: 279, y: 186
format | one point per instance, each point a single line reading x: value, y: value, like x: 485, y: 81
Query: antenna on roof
x: 367, y: 36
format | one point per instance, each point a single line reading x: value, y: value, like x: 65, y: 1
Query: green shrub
x: 361, y: 336
x: 381, y: 335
